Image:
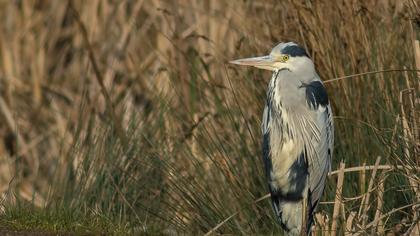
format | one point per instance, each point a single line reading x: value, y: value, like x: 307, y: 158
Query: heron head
x: 289, y: 56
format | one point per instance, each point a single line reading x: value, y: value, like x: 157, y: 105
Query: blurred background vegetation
x: 124, y: 117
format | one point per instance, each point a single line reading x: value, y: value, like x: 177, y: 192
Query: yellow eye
x: 284, y: 58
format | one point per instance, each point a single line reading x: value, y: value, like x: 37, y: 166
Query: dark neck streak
x: 272, y: 90
x: 275, y: 108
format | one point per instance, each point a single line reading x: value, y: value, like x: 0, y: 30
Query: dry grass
x: 128, y: 110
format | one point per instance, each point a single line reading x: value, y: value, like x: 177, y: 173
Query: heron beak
x: 264, y: 62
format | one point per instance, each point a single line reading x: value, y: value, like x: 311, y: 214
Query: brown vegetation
x: 129, y: 109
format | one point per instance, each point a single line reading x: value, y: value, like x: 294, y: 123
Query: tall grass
x: 127, y: 111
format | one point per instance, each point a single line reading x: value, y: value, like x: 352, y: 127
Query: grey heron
x: 298, y: 134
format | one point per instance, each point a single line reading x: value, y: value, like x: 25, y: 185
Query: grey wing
x: 321, y: 140
x: 318, y: 169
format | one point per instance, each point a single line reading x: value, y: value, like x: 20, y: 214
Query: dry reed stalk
x: 362, y: 179
x: 410, y: 136
x: 338, y: 199
x: 415, y: 231
x: 38, y: 69
x: 323, y: 224
x: 365, y: 203
x: 370, y: 73
x: 417, y: 57
x: 375, y: 222
x: 367, y: 168
x: 415, y: 121
x: 193, y: 143
x: 380, y: 203
x: 343, y: 211
x: 349, y: 224
x: 416, y: 51
x: 406, y: 128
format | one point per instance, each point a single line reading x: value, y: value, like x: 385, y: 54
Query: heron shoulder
x: 316, y: 94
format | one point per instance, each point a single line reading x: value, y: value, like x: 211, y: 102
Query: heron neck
x: 285, y: 91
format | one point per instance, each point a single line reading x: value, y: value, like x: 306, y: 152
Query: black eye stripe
x: 294, y: 51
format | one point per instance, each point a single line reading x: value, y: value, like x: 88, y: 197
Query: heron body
x: 297, y: 131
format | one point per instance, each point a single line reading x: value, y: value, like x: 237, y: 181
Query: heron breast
x: 289, y: 170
